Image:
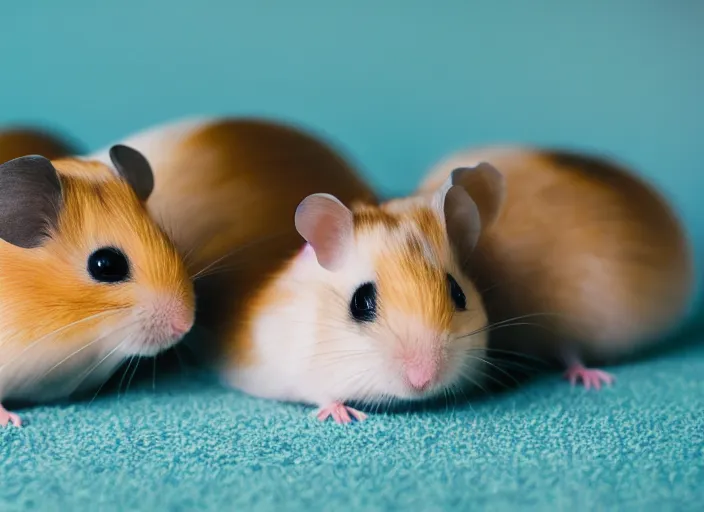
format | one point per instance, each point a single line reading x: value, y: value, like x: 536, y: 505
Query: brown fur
x: 228, y: 194
x: 582, y: 240
x: 366, y: 216
x: 18, y: 142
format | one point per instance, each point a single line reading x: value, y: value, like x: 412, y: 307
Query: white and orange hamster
x: 317, y: 294
x: 582, y: 248
x: 86, y: 277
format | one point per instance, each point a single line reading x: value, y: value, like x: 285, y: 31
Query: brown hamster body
x: 225, y: 190
x: 87, y: 279
x: 373, y: 307
x: 23, y: 141
x: 583, y: 248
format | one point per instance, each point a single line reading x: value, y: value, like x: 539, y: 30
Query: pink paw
x: 590, y: 377
x: 340, y: 413
x: 7, y: 418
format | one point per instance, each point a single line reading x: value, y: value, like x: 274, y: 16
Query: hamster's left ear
x: 134, y: 168
x: 30, y: 201
x: 326, y: 224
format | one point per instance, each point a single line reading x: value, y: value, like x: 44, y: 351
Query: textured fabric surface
x: 190, y: 445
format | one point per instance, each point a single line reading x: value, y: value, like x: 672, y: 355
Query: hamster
x: 318, y: 293
x: 16, y: 142
x: 86, y: 277
x: 582, y: 248
x: 374, y: 308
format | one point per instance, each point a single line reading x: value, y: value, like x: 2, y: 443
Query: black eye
x: 108, y: 265
x: 457, y: 294
x: 363, y: 304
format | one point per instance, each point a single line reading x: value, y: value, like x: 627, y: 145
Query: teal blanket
x: 186, y: 444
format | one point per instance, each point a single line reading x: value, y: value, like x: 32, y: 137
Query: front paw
x: 341, y: 413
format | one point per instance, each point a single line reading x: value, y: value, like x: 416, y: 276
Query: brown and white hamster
x: 86, y: 277
x: 372, y: 308
x: 580, y: 246
x: 16, y: 142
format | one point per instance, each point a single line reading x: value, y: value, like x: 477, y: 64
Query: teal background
x: 398, y: 83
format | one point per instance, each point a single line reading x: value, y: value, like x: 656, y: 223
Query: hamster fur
x: 373, y: 309
x: 86, y: 278
x: 223, y: 183
x: 581, y: 247
x: 16, y: 142
x: 237, y: 195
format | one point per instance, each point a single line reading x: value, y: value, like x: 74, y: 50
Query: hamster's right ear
x: 30, y: 200
x: 134, y: 168
x: 462, y: 220
x: 486, y: 186
x: 326, y: 224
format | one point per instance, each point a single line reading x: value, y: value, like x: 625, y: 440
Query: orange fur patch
x: 407, y: 281
x: 48, y: 287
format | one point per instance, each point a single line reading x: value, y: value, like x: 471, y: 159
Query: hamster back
x: 593, y: 254
x: 18, y: 142
x: 226, y: 191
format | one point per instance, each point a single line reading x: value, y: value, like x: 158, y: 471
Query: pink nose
x: 181, y: 324
x: 420, y: 374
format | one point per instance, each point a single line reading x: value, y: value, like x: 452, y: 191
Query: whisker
x: 59, y: 330
x: 336, y: 352
x: 129, y: 382
x: 95, y: 367
x: 494, y: 366
x: 513, y: 364
x: 339, y: 360
x: 492, y: 327
x: 237, y: 250
x: 106, y: 380
x: 75, y: 352
x: 124, y: 374
x: 465, y: 376
x: 183, y: 366
x: 513, y: 353
x: 154, y: 372
x: 84, y: 375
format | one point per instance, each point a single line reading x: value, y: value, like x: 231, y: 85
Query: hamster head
x: 82, y: 265
x: 394, y: 294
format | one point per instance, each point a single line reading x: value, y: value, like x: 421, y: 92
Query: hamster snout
x: 420, y: 356
x: 421, y: 373
x: 422, y: 368
x: 430, y: 363
x: 165, y: 320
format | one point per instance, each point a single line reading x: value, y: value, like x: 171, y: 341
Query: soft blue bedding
x: 190, y: 445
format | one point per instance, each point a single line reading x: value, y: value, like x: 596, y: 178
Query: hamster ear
x: 134, y: 168
x: 462, y: 219
x: 486, y: 186
x: 326, y: 224
x: 30, y: 200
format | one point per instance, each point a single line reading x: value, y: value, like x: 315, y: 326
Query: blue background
x: 398, y: 83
